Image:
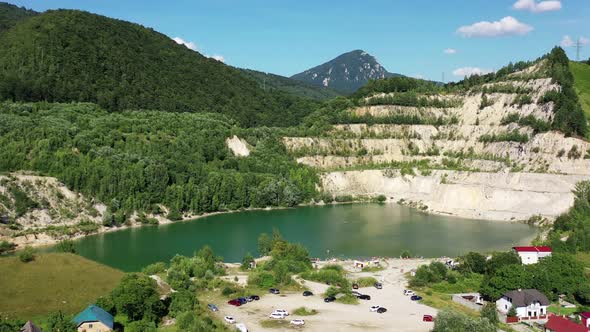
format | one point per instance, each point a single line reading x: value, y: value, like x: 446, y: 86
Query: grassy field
x: 581, y: 73
x: 52, y: 282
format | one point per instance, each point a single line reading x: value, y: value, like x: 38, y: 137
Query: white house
x: 532, y: 255
x: 528, y: 303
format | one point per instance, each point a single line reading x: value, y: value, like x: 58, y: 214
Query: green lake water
x: 351, y: 231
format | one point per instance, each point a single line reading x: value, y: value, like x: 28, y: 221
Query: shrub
x: 406, y: 254
x: 67, y: 246
x: 560, y: 153
x: 303, y: 311
x: 155, y: 268
x: 574, y: 153
x: 27, y: 255
x: 6, y: 246
x: 366, y: 281
x: 381, y: 198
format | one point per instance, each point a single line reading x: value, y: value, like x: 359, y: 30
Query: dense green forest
x: 10, y: 15
x: 135, y: 160
x: 67, y: 55
x: 275, y: 82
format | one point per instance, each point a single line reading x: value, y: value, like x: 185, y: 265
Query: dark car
x: 355, y: 286
x: 234, y: 302
x: 253, y: 298
x: 329, y: 299
x: 274, y: 291
x: 307, y: 293
x: 416, y: 298
x: 364, y: 297
x: 381, y: 310
x: 378, y: 285
x: 243, y: 300
x: 212, y: 307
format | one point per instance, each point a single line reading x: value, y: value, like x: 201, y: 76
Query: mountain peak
x: 346, y: 73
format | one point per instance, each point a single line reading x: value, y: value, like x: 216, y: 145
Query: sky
x: 419, y: 38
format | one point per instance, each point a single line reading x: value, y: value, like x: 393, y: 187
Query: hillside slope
x: 489, y: 147
x: 10, y: 15
x: 346, y: 73
x: 66, y: 55
x: 298, y: 88
x: 581, y: 72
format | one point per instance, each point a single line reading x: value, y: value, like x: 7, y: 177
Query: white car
x: 229, y: 319
x: 374, y: 308
x: 276, y: 315
x: 408, y: 292
x: 282, y: 312
x: 241, y: 327
x: 297, y: 322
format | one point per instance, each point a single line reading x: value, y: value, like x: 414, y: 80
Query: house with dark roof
x: 562, y: 324
x: 528, y: 303
x: 94, y: 319
x: 532, y: 254
x: 30, y: 327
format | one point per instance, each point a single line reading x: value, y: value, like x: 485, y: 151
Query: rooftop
x: 94, y: 314
x: 533, y: 249
x: 560, y: 324
x: 524, y: 297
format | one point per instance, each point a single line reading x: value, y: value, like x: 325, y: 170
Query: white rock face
x: 492, y: 196
x: 238, y: 146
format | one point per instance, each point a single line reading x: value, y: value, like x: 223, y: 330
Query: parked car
x: 416, y: 298
x: 378, y: 285
x: 297, y: 322
x: 355, y: 286
x: 229, y: 319
x: 381, y: 310
x: 408, y: 292
x: 274, y: 291
x: 427, y: 318
x: 355, y: 293
x: 307, y: 293
x: 329, y: 299
x: 374, y: 308
x: 241, y: 327
x: 234, y: 302
x: 253, y: 298
x: 212, y: 307
x: 243, y: 300
x: 281, y: 311
x: 364, y: 297
x: 276, y: 315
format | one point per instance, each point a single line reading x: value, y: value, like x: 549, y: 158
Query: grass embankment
x: 581, y: 72
x: 440, y: 295
x: 50, y: 283
x: 303, y: 311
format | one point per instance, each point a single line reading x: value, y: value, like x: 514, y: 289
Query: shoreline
x: 44, y: 240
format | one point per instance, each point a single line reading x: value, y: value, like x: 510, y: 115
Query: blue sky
x: 408, y: 37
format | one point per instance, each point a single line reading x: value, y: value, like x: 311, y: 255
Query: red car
x: 235, y: 302
x: 427, y: 318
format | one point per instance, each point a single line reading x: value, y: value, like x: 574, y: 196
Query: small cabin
x: 532, y: 254
x: 94, y: 319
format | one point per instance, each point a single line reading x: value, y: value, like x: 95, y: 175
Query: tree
x: 264, y: 244
x: 141, y: 326
x: 558, y: 274
x: 246, y: 262
x: 472, y: 262
x: 511, y: 312
x: 500, y: 259
x: 451, y: 321
x: 506, y: 278
x: 182, y: 301
x: 137, y: 297
x: 489, y: 312
x: 58, y: 322
x: 27, y: 255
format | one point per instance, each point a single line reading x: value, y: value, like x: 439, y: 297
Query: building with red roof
x: 561, y: 324
x: 585, y: 318
x: 532, y: 254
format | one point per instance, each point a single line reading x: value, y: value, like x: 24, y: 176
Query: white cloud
x: 537, y: 7
x: 468, y: 71
x: 567, y: 41
x: 188, y: 44
x: 193, y: 46
x: 504, y: 27
x: 450, y: 51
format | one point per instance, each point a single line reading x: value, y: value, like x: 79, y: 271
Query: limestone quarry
x: 480, y: 161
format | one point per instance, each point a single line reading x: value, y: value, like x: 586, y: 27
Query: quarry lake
x: 343, y: 231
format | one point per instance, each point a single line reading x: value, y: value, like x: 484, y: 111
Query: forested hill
x: 10, y: 15
x: 66, y: 55
x: 298, y: 88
